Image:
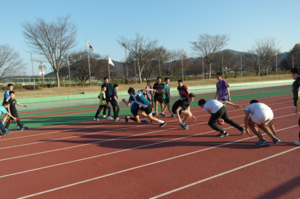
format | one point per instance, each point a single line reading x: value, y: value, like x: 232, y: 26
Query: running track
x: 124, y: 160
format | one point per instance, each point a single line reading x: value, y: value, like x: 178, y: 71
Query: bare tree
x: 265, y: 49
x: 10, y: 62
x: 79, y: 65
x: 208, y: 46
x: 229, y: 60
x: 51, y: 39
x: 293, y: 57
x: 141, y: 49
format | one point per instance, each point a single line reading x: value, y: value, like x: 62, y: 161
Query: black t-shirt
x: 113, y: 101
x: 12, y: 107
x: 183, y: 103
x: 158, y: 87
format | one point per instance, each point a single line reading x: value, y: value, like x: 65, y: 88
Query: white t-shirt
x: 257, y: 108
x: 213, y: 106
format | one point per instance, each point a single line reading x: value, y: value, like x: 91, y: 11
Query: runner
x: 217, y: 111
x: 262, y: 115
x: 182, y: 107
x: 295, y: 75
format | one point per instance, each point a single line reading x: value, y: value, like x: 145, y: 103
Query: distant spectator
x: 109, y: 93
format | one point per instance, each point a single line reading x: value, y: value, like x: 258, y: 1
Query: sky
x: 174, y: 23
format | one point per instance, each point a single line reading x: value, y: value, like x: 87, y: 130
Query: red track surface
x: 125, y: 160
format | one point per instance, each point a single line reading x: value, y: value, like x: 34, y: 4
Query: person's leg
x: 187, y: 114
x: 2, y: 127
x: 109, y: 109
x: 253, y: 128
x: 156, y: 106
x: 266, y: 130
x: 7, y: 123
x: 272, y: 127
x: 114, y: 107
x: 105, y: 108
x: 161, y: 107
x: 229, y: 121
x: 98, y: 111
x: 213, y: 120
x: 117, y: 111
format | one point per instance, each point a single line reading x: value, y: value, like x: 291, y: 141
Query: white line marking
x: 109, y: 140
x: 83, y: 127
x: 100, y: 132
x: 144, y: 165
x: 124, y: 150
x: 224, y: 173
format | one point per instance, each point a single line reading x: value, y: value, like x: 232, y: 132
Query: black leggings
x: 116, y: 110
x: 10, y: 121
x: 222, y: 113
x: 101, y: 107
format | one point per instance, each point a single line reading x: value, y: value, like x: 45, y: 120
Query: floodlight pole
x: 276, y: 66
x: 182, y: 69
x: 241, y: 68
x: 203, y: 71
x: 33, y: 76
x: 69, y: 75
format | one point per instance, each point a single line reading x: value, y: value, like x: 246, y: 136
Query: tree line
x: 56, y: 40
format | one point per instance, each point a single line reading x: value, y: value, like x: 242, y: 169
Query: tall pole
x: 259, y: 67
x: 292, y: 60
x: 241, y: 68
x: 33, y: 76
x: 126, y: 63
x: 159, y: 67
x: 89, y: 66
x: 222, y: 65
x: 108, y: 67
x: 69, y: 75
x: 276, y: 66
x: 135, y: 76
x: 203, y: 70
x: 182, y: 69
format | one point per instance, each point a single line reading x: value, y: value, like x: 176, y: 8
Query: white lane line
x: 144, y: 165
x: 224, y: 173
x: 124, y: 137
x: 86, y: 127
x: 124, y: 150
x: 99, y: 132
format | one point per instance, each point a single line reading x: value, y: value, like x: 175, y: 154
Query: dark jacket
x: 109, y: 90
x: 296, y: 93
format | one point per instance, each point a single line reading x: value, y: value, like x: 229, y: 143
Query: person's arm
x: 295, y: 95
x: 232, y: 104
x: 228, y: 92
x: 177, y: 113
x: 247, y: 114
x: 21, y: 105
x: 187, y: 90
x: 127, y: 103
x: 4, y: 118
x: 217, y: 92
x: 189, y: 109
x: 115, y: 98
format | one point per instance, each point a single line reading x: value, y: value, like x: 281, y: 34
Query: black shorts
x: 167, y: 101
x: 174, y: 110
x: 148, y: 109
x: 135, y: 111
x: 158, y: 98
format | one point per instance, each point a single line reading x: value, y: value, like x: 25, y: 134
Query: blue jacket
x: 109, y: 90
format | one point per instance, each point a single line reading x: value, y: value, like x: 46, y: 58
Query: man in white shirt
x: 262, y: 115
x: 217, y: 111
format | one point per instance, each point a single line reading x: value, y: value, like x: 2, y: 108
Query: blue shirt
x: 6, y: 94
x: 139, y: 98
x: 166, y: 90
x: 134, y: 106
x: 2, y: 110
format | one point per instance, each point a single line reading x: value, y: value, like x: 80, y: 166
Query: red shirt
x: 183, y: 91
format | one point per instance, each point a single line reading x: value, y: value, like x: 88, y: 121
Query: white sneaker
x: 96, y: 119
x: 109, y: 118
x: 297, y: 143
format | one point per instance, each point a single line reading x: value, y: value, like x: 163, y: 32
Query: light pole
x: 123, y: 44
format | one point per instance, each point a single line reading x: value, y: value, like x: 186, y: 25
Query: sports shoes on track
x: 224, y: 134
x: 162, y: 114
x: 243, y: 131
x: 276, y: 141
x: 184, y: 126
x: 117, y: 119
x: 96, y: 119
x: 110, y: 118
x: 104, y: 116
x: 162, y: 124
x: 24, y: 128
x: 261, y: 143
x: 145, y: 122
x: 297, y: 143
x: 6, y: 132
x: 172, y: 115
x: 126, y: 119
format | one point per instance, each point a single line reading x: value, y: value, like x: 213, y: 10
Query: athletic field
x: 65, y: 154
